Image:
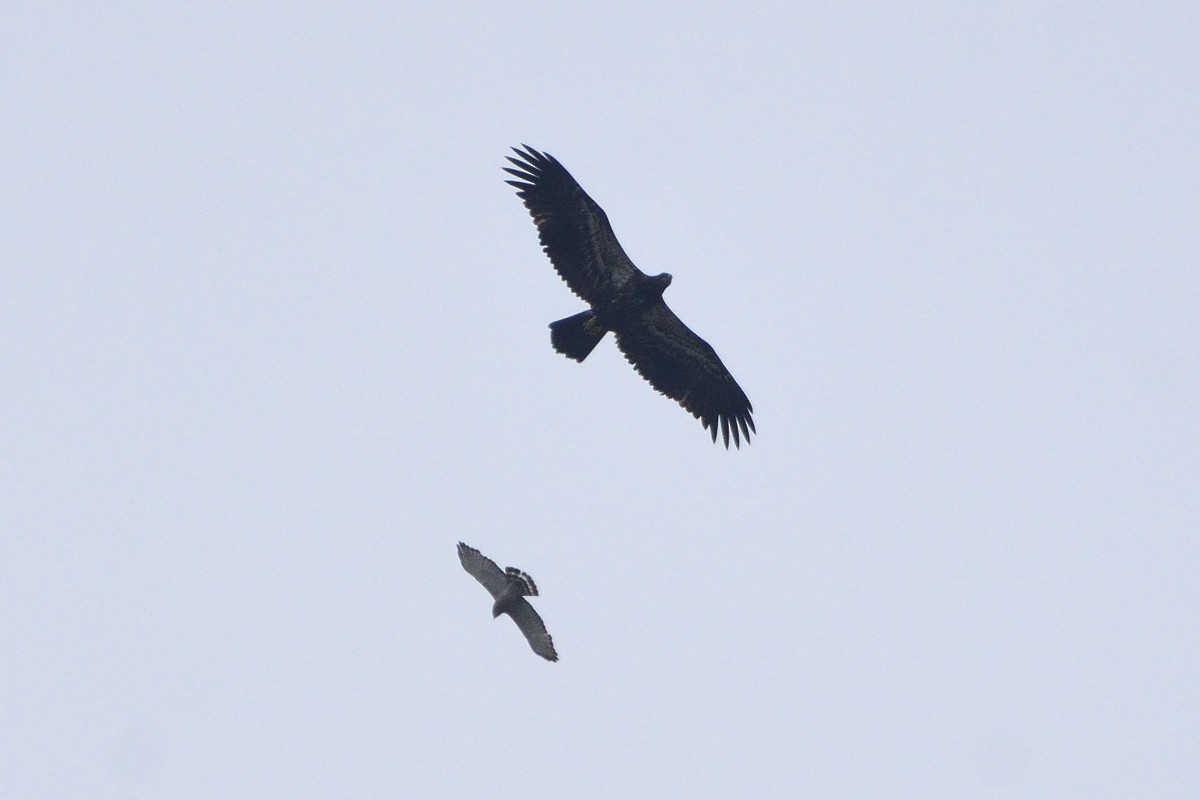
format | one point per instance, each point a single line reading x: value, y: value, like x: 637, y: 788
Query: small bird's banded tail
x: 521, y: 580
x: 577, y: 335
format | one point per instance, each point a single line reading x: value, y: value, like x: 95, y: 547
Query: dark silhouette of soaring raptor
x: 509, y: 588
x: 575, y: 234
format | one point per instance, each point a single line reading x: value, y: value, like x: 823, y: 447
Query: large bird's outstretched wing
x: 573, y: 230
x: 483, y: 569
x: 684, y: 367
x: 531, y: 625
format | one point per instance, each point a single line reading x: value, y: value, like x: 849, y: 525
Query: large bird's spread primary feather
x: 575, y: 234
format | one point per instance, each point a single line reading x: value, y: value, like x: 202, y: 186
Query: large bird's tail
x: 577, y: 335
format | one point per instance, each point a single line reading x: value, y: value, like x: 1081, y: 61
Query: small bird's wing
x: 531, y: 625
x: 483, y: 569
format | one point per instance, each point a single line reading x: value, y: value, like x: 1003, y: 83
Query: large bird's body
x: 575, y: 234
x: 509, y: 588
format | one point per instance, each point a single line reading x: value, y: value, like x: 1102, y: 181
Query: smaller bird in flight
x: 509, y: 588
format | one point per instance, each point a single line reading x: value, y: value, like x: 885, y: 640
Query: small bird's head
x: 496, y: 609
x: 661, y: 281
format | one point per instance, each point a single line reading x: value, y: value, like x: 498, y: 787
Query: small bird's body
x: 517, y: 586
x: 509, y: 588
x: 575, y: 234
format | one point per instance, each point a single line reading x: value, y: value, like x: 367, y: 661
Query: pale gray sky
x: 273, y: 334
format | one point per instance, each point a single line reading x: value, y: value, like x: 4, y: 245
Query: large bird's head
x: 661, y: 281
x: 496, y: 609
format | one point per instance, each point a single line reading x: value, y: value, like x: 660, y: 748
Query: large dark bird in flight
x: 575, y: 234
x: 509, y: 588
